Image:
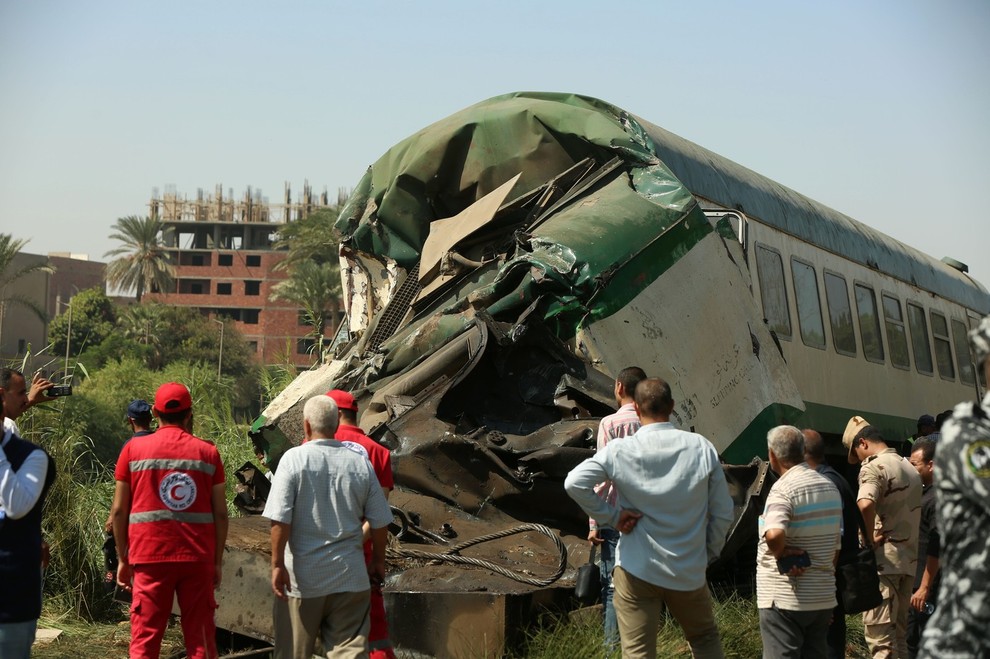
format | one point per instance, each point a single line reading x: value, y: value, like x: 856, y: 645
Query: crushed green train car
x: 500, y: 266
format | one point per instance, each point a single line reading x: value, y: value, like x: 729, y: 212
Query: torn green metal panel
x: 449, y: 165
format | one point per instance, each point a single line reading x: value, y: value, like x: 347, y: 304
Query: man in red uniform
x: 170, y: 523
x: 381, y: 460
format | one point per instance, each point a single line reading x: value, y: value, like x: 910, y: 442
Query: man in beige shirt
x: 889, y: 498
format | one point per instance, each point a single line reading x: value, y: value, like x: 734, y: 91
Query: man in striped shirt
x: 801, y: 520
x: 623, y: 423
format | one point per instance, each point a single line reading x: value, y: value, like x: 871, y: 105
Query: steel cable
x: 452, y: 554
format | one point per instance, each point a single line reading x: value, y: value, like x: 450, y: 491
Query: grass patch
x: 106, y: 640
x: 579, y: 635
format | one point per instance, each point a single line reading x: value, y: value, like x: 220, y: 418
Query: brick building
x: 224, y: 259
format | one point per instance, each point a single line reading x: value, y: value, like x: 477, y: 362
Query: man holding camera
x: 16, y: 397
x: 798, y: 546
x: 26, y: 474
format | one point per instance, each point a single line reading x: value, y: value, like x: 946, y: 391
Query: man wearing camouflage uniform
x: 889, y: 499
x: 961, y: 622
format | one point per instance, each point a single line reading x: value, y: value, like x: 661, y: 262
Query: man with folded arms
x: 801, y: 519
x: 673, y: 511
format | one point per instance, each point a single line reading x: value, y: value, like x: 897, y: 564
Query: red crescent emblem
x: 176, y: 492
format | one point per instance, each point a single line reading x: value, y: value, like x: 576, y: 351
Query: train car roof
x: 729, y: 184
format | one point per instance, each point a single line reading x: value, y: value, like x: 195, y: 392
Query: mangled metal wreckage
x: 499, y: 267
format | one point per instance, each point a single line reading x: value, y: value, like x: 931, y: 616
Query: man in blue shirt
x: 673, y: 511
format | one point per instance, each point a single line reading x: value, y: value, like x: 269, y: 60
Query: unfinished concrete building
x: 224, y: 258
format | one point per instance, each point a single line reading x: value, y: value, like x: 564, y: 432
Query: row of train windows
x: 903, y: 338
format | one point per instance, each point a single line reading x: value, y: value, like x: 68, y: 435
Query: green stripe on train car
x: 830, y: 420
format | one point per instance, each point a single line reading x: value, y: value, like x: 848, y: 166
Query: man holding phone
x: 17, y: 398
x: 798, y: 546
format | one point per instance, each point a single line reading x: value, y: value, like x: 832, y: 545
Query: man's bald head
x: 654, y: 400
x: 814, y: 447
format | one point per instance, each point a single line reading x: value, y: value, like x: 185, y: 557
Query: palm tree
x: 315, y: 287
x: 145, y: 324
x: 9, y: 249
x: 142, y: 263
x: 308, y: 239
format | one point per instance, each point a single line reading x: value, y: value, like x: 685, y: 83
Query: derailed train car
x: 520, y: 252
x: 501, y: 265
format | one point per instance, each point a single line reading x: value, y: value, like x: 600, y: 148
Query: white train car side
x: 866, y: 324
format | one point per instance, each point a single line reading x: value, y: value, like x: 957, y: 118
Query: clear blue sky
x: 878, y: 109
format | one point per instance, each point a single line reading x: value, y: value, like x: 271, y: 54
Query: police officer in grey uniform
x: 962, y: 619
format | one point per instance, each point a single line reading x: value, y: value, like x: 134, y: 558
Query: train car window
x: 773, y: 291
x: 919, y: 339
x: 981, y: 373
x: 869, y: 322
x: 964, y: 360
x: 840, y: 314
x: 943, y: 350
x: 893, y: 321
x: 809, y: 305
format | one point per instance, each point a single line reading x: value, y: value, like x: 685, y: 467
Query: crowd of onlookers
x: 168, y: 528
x: 657, y: 499
x: 660, y: 508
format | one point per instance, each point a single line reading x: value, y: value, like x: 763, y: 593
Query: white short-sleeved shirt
x: 325, y: 490
x: 807, y: 507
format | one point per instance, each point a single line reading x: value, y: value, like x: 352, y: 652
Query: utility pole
x: 68, y: 339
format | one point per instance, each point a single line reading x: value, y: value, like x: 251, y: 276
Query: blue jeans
x: 606, y: 564
x: 16, y: 639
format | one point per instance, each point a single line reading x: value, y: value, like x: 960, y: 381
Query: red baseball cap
x: 172, y: 397
x: 344, y: 400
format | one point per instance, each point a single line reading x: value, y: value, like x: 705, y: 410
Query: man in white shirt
x: 26, y: 474
x: 673, y: 511
x: 321, y: 493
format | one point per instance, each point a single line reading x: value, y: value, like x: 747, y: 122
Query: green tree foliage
x: 141, y: 262
x: 195, y: 338
x: 314, y: 271
x: 114, y: 348
x: 309, y: 239
x: 9, y: 274
x: 93, y: 316
x: 156, y: 335
x: 147, y: 325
